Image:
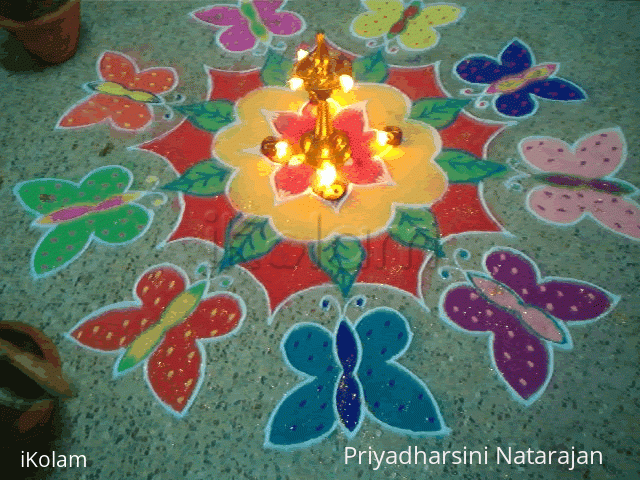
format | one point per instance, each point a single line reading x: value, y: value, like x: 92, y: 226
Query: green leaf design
x: 340, y: 258
x: 247, y: 239
x: 372, y: 68
x: 205, y: 179
x: 437, y: 112
x: 416, y: 228
x: 464, y: 167
x: 276, y: 69
x: 209, y: 116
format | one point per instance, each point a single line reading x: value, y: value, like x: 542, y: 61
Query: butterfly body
x: 118, y: 90
x: 67, y: 214
x: 523, y: 314
x: 515, y: 81
x: 251, y: 24
x: 176, y: 312
x: 412, y: 27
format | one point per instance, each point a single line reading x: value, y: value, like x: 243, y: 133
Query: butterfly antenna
x: 152, y: 179
x: 280, y: 46
x: 513, y: 183
x: 359, y: 301
x: 169, y: 115
x: 260, y: 49
x: 204, y: 268
x: 461, y: 254
x: 326, y: 302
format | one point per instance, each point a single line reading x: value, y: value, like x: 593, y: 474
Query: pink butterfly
x: 124, y: 96
x: 251, y: 24
x: 577, y: 181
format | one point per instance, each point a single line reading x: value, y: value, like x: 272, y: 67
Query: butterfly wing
x: 514, y: 58
x: 393, y: 395
x: 420, y: 34
x: 120, y: 225
x: 279, y: 23
x: 556, y: 89
x: 382, y: 15
x: 175, y: 371
x: 518, y: 104
x: 44, y: 196
x: 619, y: 215
x: 114, y: 327
x: 60, y: 246
x: 523, y: 361
x: 566, y: 299
x: 558, y: 205
x: 236, y: 33
x: 306, y: 414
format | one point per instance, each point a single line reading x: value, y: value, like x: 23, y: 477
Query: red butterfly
x: 124, y: 96
x: 164, y: 329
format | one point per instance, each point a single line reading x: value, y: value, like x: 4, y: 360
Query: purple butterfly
x: 514, y: 79
x: 524, y: 316
x: 251, y: 24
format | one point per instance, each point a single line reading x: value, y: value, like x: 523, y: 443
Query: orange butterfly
x: 124, y: 96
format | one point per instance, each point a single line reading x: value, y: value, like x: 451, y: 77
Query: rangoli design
x: 396, y: 25
x: 349, y: 374
x: 266, y: 219
x: 524, y: 315
x: 251, y: 24
x: 577, y: 181
x: 124, y: 96
x: 514, y: 80
x: 164, y: 329
x: 100, y: 207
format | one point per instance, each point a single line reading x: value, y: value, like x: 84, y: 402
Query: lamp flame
x: 301, y: 54
x: 346, y: 81
x: 296, y: 83
x: 382, y: 137
x: 327, y: 174
x: 281, y: 149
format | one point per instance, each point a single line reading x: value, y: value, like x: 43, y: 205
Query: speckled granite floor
x: 592, y: 402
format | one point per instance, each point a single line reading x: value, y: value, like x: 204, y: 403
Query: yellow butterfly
x: 411, y: 26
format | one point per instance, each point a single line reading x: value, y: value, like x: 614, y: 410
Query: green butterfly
x: 73, y: 214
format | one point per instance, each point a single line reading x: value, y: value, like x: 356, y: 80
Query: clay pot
x: 52, y: 37
x: 28, y: 401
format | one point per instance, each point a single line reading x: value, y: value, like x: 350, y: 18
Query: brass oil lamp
x: 326, y: 148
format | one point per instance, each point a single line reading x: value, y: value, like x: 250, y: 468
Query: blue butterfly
x: 351, y: 372
x: 515, y: 80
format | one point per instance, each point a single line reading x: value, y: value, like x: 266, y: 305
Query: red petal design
x: 174, y: 371
x: 390, y: 263
x: 293, y: 180
x: 460, y: 211
x: 124, y: 113
x: 285, y: 270
x: 114, y: 329
x: 183, y: 147
x: 215, y: 316
x: 118, y: 327
x: 154, y: 80
x: 204, y: 218
x: 416, y: 83
x: 292, y: 126
x: 115, y: 67
x: 363, y: 172
x: 469, y: 134
x: 232, y: 85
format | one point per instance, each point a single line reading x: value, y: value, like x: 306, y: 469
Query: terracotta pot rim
x: 49, y: 349
x: 37, y: 22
